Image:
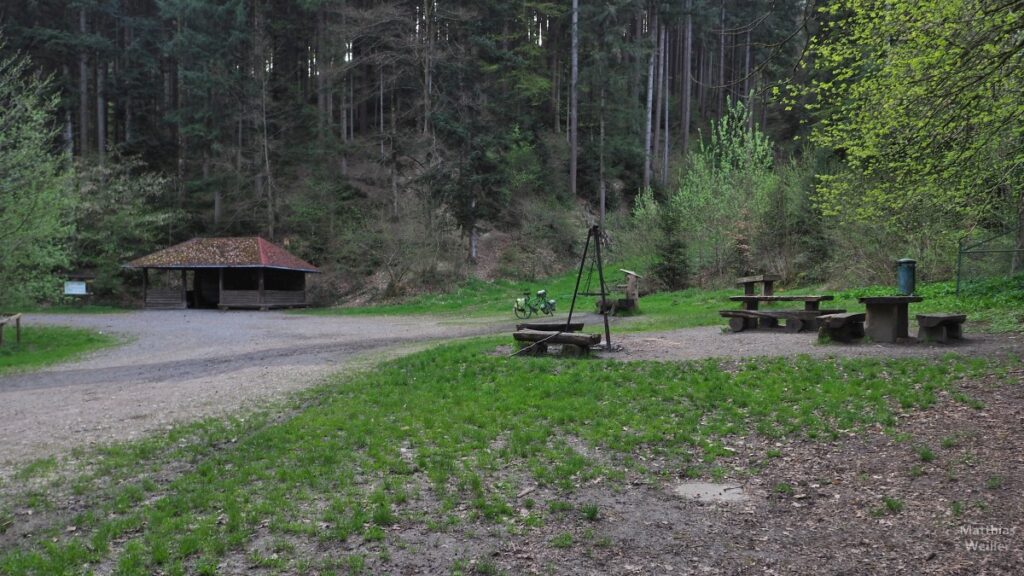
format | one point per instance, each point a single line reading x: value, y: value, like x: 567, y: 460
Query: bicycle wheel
x: 520, y: 312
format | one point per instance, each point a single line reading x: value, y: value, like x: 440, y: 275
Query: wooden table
x: 887, y: 317
x: 796, y: 320
x: 751, y: 302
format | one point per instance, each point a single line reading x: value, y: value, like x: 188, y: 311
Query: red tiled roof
x: 247, y: 252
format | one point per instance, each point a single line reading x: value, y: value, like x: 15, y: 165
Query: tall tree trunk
x: 659, y: 94
x: 574, y: 100
x: 721, y: 65
x: 83, y: 89
x: 556, y: 88
x: 101, y: 110
x: 665, y: 89
x: 747, y: 95
x: 648, y: 111
x: 601, y: 185
x: 687, y: 56
x: 428, y: 30
x: 320, y: 69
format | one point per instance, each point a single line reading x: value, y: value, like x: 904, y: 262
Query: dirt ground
x: 962, y: 513
x: 867, y: 503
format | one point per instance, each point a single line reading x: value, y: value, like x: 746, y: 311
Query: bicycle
x: 527, y: 305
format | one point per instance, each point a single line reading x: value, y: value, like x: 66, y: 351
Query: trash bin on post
x: 906, y: 276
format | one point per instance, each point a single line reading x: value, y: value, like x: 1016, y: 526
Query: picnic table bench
x: 535, y: 342
x: 795, y: 320
x: 939, y: 327
x: 5, y: 320
x: 752, y: 302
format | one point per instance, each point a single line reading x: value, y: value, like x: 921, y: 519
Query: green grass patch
x: 995, y: 305
x: 44, y: 345
x: 431, y: 438
x: 74, y: 309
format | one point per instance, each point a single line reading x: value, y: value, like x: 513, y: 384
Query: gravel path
x: 185, y: 365
x: 711, y: 341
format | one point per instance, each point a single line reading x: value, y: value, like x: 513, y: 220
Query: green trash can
x: 906, y: 276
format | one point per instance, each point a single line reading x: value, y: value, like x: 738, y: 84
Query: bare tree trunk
x: 83, y: 90
x: 101, y: 110
x: 320, y: 69
x: 648, y: 116
x: 427, y: 76
x: 601, y: 185
x: 556, y: 87
x: 665, y: 90
x: 1018, y: 256
x: 574, y: 100
x: 746, y: 87
x: 659, y: 95
x: 721, y: 65
x: 687, y: 56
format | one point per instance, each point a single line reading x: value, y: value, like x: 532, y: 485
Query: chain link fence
x: 984, y: 257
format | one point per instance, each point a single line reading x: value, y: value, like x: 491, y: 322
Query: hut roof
x: 246, y: 252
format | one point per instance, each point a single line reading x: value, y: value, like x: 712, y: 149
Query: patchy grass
x: 438, y: 438
x: 995, y: 305
x: 74, y: 309
x: 44, y: 345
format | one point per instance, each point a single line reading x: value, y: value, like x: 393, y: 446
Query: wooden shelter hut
x: 223, y: 273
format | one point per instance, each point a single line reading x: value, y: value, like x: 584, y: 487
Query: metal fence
x: 982, y: 257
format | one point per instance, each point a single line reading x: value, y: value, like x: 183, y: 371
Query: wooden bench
x: 767, y: 282
x: 940, y: 327
x: 5, y: 320
x: 550, y: 326
x: 843, y: 327
x: 795, y: 320
x: 535, y: 342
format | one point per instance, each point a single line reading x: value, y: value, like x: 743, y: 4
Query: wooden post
x: 220, y: 288
x: 145, y: 286
x: 261, y: 303
x: 184, y: 288
x: 17, y: 329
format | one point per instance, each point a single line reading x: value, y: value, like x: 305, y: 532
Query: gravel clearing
x: 185, y: 365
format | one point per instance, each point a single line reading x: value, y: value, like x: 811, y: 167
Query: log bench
x: 551, y: 326
x: 535, y: 342
x: 841, y: 327
x: 5, y: 320
x: 795, y: 320
x: 940, y: 327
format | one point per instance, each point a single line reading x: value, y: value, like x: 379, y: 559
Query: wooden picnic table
x: 887, y: 317
x: 811, y: 302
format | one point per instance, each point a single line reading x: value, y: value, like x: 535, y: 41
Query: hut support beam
x: 184, y: 288
x: 220, y: 288
x: 263, y: 305
x: 145, y: 286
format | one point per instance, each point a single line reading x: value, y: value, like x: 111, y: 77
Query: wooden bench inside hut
x: 223, y: 273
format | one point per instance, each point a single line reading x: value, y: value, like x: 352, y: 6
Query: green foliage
x: 35, y: 199
x: 922, y: 102
x: 724, y: 192
x: 119, y: 216
x: 672, y: 268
